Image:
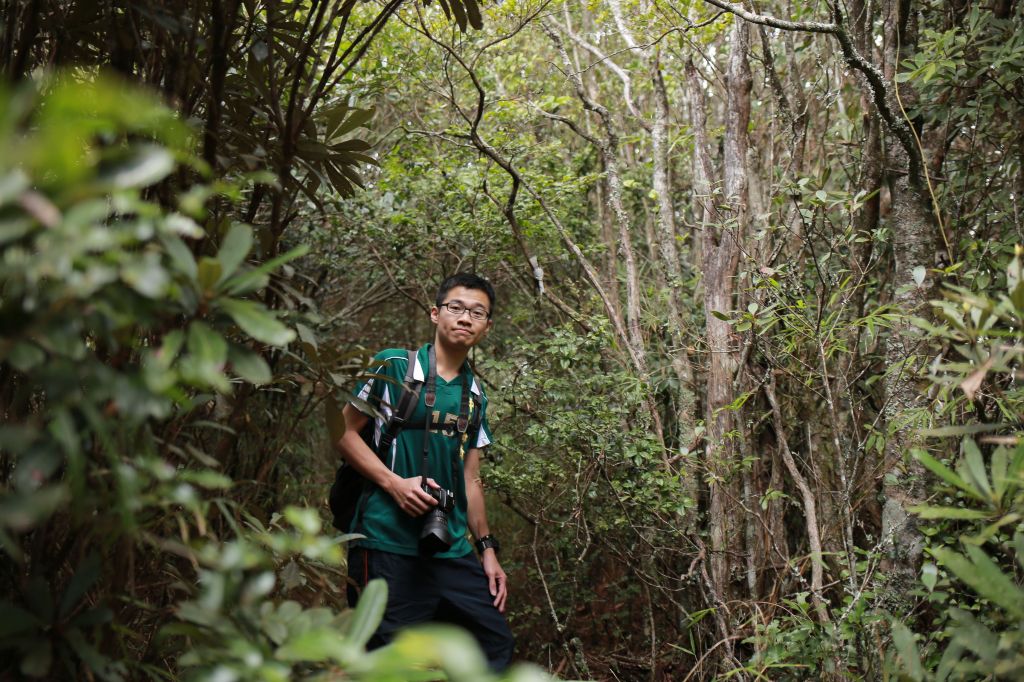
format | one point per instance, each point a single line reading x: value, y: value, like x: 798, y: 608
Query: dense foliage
x: 756, y: 359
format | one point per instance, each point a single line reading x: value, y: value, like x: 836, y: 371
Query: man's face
x: 461, y: 328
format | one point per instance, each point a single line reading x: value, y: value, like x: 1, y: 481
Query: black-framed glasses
x: 456, y: 308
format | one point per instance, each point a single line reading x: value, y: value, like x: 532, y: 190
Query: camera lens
x: 435, y: 537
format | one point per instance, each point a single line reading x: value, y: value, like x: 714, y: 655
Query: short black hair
x: 469, y: 280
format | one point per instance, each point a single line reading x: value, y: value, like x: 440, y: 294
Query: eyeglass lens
x: 456, y: 309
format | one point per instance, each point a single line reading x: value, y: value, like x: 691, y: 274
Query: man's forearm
x: 476, y: 513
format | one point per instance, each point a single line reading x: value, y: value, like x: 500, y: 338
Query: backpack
x: 348, y: 483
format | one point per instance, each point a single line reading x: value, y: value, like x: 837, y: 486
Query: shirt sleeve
x: 482, y: 438
x: 374, y: 394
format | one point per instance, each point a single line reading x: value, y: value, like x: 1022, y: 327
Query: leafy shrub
x: 977, y: 538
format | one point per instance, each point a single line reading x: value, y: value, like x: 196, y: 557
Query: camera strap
x: 429, y: 398
x: 400, y: 414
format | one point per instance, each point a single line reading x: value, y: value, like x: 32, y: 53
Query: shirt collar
x: 419, y: 374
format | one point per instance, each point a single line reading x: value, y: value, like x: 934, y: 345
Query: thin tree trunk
x: 721, y: 258
x: 723, y: 230
x: 915, y: 241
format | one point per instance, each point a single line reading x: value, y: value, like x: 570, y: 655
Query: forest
x: 753, y: 370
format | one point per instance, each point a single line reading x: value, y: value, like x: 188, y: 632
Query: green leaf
x: 204, y: 365
x: 180, y: 225
x: 233, y: 250
x: 369, y: 612
x: 21, y: 511
x: 38, y: 658
x: 906, y: 648
x: 359, y: 117
x: 333, y: 116
x: 15, y: 620
x: 473, y: 12
x: 40, y: 598
x: 209, y: 273
x: 84, y: 578
x: 460, y: 13
x: 257, y: 277
x: 306, y: 520
x: 975, y: 637
x: 146, y: 275
x: 307, y: 335
x: 929, y: 512
x: 352, y: 145
x: 943, y: 472
x: 25, y: 355
x: 320, y: 644
x: 257, y: 322
x: 451, y: 648
x: 12, y: 184
x: 982, y: 575
x: 1000, y: 465
x: 929, y: 575
x: 950, y: 658
x: 205, y: 478
x: 963, y: 430
x: 250, y: 366
x: 145, y: 165
x: 93, y: 659
x: 342, y: 185
x: 181, y: 256
x: 206, y: 344
x: 975, y: 468
x: 91, y: 617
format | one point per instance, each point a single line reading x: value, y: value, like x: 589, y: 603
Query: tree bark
x: 662, y: 184
x: 721, y: 258
x: 915, y: 242
x: 723, y: 229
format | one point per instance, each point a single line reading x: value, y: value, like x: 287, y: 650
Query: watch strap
x: 487, y: 541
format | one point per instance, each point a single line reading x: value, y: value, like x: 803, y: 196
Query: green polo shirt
x: 378, y: 517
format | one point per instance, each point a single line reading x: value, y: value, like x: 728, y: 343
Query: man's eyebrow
x: 463, y: 303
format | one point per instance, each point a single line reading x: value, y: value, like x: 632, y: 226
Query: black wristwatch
x: 488, y: 541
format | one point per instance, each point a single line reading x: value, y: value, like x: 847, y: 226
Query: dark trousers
x: 425, y: 589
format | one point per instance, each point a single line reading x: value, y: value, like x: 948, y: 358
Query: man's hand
x: 496, y: 580
x: 409, y: 495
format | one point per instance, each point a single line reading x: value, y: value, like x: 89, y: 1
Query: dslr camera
x: 435, y: 536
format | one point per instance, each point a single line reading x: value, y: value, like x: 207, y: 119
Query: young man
x: 450, y: 584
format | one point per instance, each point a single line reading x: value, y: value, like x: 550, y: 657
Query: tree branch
x: 880, y: 94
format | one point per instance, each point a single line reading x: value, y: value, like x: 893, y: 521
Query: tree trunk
x: 661, y: 182
x: 915, y: 241
x: 723, y: 230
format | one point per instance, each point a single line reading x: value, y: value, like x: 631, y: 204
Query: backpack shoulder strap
x: 478, y: 414
x: 408, y: 393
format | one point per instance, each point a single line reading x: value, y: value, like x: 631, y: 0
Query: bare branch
x: 774, y: 22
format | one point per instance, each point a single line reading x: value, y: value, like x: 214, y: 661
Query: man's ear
x: 433, y: 314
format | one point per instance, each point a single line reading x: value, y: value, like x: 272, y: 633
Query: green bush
x: 975, y: 514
